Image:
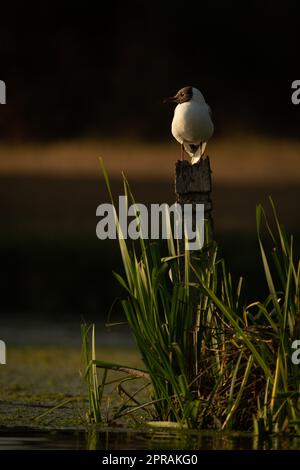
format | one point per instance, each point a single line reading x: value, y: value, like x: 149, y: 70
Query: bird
x: 192, y: 124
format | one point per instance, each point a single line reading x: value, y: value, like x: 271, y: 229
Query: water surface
x: 130, y: 439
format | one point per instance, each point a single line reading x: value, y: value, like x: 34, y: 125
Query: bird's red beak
x: 171, y: 99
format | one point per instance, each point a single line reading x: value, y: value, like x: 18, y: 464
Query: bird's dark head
x: 183, y: 95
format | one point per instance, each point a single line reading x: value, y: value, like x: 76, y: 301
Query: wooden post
x: 193, y: 186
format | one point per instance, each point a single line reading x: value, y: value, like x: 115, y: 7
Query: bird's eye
x: 182, y: 94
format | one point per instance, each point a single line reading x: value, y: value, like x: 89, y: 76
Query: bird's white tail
x: 200, y: 151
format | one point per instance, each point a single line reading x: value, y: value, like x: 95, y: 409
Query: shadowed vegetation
x: 210, y: 361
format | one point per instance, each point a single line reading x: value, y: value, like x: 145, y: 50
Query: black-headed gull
x: 192, y: 126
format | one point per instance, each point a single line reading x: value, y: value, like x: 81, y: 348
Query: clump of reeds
x: 210, y: 361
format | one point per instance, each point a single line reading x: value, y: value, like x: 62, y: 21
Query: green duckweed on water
x: 36, y: 379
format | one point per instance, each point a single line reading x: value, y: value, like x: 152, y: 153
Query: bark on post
x: 193, y: 186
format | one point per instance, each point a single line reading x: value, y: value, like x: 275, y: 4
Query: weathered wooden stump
x: 193, y: 186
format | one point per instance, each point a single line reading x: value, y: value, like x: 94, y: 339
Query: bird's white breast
x: 192, y: 123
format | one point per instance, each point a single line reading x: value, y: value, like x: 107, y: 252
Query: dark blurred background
x: 80, y: 70
x: 94, y: 77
